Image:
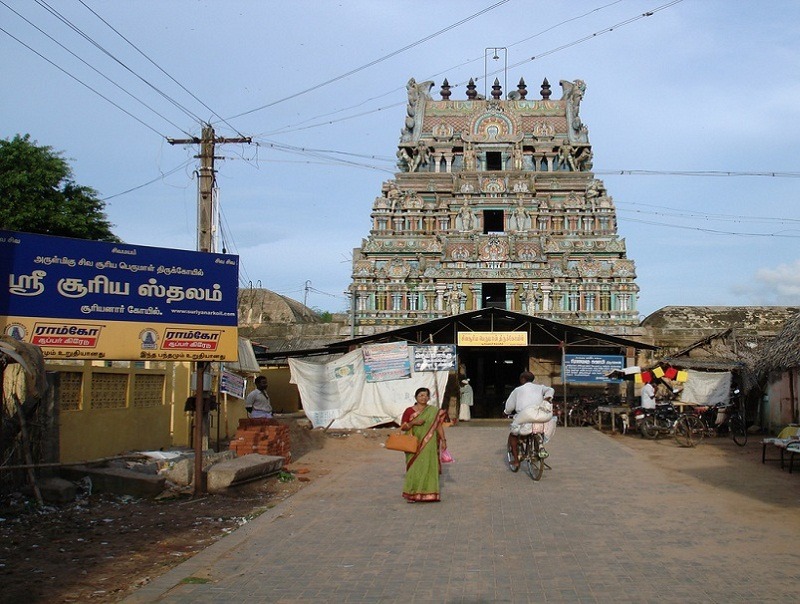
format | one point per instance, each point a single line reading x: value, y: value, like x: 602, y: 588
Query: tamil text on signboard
x: 492, y: 338
x: 78, y: 299
x: 383, y: 362
x: 435, y: 357
x: 591, y: 368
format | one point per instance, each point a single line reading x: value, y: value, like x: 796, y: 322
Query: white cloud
x: 779, y: 286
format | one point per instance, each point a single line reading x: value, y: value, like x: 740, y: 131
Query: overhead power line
x: 374, y: 62
x: 767, y: 173
x: 82, y: 83
x: 157, y: 66
x: 780, y: 234
x: 89, y: 39
x: 97, y: 71
x: 650, y: 13
x: 149, y: 182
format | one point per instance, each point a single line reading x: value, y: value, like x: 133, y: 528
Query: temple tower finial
x: 545, y: 89
x: 471, y: 92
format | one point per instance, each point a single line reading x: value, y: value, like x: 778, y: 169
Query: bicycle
x: 714, y: 421
x: 689, y: 430
x: 582, y: 412
x: 530, y: 450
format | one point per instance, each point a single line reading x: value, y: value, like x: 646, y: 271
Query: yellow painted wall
x: 285, y: 397
x: 94, y: 425
x: 93, y: 434
x: 88, y: 432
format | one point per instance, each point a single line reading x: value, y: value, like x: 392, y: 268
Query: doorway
x: 493, y: 294
x: 493, y: 373
x: 493, y: 221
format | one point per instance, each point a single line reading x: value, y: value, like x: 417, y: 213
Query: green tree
x: 39, y: 195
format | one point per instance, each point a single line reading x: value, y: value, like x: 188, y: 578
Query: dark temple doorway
x: 493, y: 294
x: 493, y: 373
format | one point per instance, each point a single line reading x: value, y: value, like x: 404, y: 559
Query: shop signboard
x: 233, y: 384
x: 80, y: 299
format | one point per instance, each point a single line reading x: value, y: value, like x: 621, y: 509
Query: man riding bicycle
x: 526, y: 395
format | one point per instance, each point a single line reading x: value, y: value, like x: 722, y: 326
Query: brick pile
x: 262, y: 435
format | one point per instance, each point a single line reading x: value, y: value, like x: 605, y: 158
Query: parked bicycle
x: 582, y: 412
x: 717, y: 420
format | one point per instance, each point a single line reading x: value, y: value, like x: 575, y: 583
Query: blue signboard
x: 89, y: 299
x: 389, y: 361
x: 591, y: 368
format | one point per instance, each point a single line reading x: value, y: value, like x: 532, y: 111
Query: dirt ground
x: 101, y: 548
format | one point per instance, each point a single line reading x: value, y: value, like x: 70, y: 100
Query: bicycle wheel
x: 534, y: 464
x: 510, y: 459
x: 738, y: 431
x: 688, y: 431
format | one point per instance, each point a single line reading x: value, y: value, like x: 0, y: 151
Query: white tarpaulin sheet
x: 338, y: 391
x: 706, y: 388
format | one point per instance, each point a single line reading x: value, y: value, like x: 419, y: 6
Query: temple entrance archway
x: 493, y: 373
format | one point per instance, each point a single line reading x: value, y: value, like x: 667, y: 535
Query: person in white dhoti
x: 465, y: 413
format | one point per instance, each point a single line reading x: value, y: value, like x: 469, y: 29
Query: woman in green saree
x: 423, y: 467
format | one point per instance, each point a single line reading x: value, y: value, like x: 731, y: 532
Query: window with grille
x: 109, y: 390
x: 70, y: 390
x: 148, y: 391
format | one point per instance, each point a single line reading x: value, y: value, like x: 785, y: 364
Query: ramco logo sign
x: 190, y: 339
x: 63, y: 334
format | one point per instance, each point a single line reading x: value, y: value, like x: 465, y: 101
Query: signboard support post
x: 199, y: 483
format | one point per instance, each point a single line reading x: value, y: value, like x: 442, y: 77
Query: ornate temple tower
x: 495, y: 204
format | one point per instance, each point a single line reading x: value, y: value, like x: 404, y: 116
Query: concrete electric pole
x: 205, y: 243
x: 205, y: 182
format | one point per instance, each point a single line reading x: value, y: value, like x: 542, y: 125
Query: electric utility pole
x: 205, y: 182
x: 205, y: 243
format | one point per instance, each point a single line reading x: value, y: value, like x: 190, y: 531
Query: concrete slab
x: 117, y: 480
x: 57, y: 490
x: 181, y: 472
x: 226, y: 473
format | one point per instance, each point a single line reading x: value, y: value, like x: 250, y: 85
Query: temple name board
x: 492, y: 338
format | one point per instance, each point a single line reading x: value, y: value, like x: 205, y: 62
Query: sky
x: 691, y: 107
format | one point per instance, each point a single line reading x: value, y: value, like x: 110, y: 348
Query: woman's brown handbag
x: 398, y: 441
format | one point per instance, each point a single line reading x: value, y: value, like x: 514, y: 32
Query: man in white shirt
x: 527, y: 394
x: 648, y: 396
x: 257, y: 402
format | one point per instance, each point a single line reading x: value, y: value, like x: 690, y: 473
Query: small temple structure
x: 495, y: 204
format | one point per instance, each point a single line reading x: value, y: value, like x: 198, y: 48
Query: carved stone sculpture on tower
x: 573, y: 94
x: 520, y: 220
x: 417, y: 94
x: 465, y: 220
x: 420, y: 156
x: 531, y: 299
x: 566, y: 159
x: 454, y: 301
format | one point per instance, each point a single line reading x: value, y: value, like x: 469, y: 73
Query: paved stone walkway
x: 604, y: 525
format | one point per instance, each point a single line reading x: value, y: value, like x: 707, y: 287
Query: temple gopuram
x: 494, y: 204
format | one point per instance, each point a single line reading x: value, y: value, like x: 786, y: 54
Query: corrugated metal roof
x: 247, y: 362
